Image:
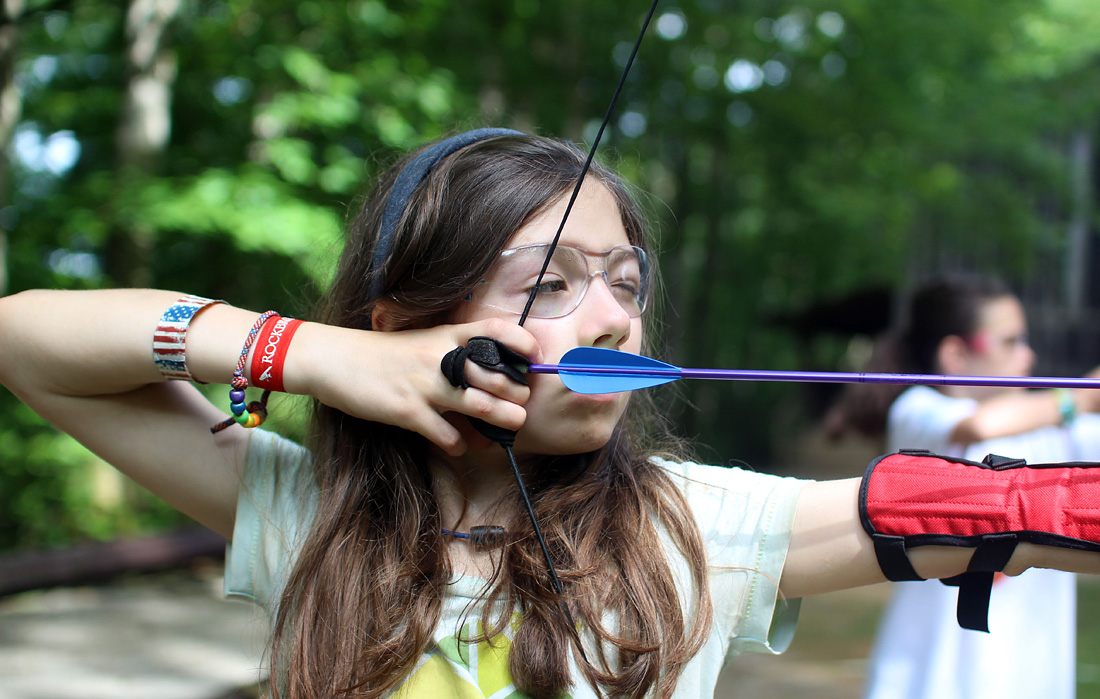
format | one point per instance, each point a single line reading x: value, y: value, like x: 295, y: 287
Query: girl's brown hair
x: 366, y: 592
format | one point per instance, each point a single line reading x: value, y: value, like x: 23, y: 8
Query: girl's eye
x: 550, y: 286
x: 625, y: 292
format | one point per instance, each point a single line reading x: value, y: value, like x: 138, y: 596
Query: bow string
x: 506, y: 444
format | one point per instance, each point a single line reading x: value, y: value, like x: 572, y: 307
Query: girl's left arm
x: 830, y: 551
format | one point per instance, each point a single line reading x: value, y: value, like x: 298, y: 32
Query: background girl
x: 976, y: 326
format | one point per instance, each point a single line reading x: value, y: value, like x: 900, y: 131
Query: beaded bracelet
x: 252, y: 414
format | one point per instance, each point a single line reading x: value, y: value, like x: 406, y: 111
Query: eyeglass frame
x: 642, y: 296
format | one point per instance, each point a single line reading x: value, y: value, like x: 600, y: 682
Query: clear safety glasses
x: 507, y: 286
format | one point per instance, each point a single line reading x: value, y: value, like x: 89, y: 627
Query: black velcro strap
x: 893, y: 559
x: 993, y: 553
x: 454, y: 366
x: 972, y: 610
x: 976, y: 584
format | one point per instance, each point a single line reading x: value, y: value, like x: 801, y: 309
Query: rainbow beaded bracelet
x: 254, y: 413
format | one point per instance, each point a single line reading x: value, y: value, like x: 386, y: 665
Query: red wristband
x: 270, y: 352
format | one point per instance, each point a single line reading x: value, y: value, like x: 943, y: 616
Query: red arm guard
x: 915, y: 498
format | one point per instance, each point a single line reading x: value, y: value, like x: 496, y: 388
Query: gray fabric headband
x: 407, y: 180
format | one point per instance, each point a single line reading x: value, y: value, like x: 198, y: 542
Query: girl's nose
x: 605, y: 322
x: 1030, y: 357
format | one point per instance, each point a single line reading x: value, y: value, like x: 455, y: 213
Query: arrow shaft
x: 820, y: 376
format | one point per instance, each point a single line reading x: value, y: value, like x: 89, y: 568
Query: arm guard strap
x: 915, y: 498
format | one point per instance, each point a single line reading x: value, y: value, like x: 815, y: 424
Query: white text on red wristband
x: 270, y: 350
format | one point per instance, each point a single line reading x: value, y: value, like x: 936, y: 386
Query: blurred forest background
x: 808, y: 162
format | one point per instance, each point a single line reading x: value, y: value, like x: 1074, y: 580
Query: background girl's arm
x: 83, y: 360
x: 829, y: 550
x: 1017, y: 412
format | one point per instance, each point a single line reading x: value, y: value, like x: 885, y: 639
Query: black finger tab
x: 487, y: 352
x: 497, y: 356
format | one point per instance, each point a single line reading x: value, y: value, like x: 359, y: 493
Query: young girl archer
x: 393, y: 551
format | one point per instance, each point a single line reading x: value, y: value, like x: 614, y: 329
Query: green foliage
x: 797, y: 152
x: 54, y: 491
x: 255, y: 208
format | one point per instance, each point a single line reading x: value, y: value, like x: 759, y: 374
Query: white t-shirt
x: 745, y: 519
x: 1030, y: 652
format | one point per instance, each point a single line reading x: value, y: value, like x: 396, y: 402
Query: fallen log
x: 93, y: 562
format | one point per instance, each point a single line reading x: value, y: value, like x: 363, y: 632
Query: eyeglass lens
x: 509, y: 282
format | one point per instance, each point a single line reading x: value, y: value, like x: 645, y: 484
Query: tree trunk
x: 11, y: 106
x: 1077, y: 253
x: 145, y: 125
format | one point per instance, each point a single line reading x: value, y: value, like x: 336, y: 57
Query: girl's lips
x: 541, y: 382
x: 592, y: 401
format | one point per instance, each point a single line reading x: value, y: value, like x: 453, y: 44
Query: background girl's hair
x: 366, y: 593
x: 945, y: 306
x: 939, y: 309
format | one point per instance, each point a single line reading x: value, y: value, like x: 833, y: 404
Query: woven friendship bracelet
x: 252, y: 414
x: 170, y: 337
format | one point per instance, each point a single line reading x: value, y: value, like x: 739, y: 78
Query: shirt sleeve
x: 924, y: 418
x: 746, y: 520
x: 1085, y: 437
x: 274, y: 507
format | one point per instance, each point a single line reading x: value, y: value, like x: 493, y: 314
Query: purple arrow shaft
x: 821, y: 376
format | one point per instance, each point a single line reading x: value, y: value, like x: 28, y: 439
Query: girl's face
x: 558, y: 420
x: 999, y: 346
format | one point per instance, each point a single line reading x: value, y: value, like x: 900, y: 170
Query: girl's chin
x: 557, y: 448
x: 570, y: 423
x: 577, y: 438
x: 595, y: 398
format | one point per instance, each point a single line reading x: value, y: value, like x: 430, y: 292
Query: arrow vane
x: 597, y: 370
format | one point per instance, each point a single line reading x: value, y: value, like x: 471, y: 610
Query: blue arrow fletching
x: 610, y: 371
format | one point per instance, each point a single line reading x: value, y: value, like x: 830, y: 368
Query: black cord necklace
x: 483, y: 536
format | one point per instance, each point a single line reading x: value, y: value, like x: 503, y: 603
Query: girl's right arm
x: 83, y: 360
x: 830, y: 550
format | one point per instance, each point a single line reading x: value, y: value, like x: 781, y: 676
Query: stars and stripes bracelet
x: 170, y: 336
